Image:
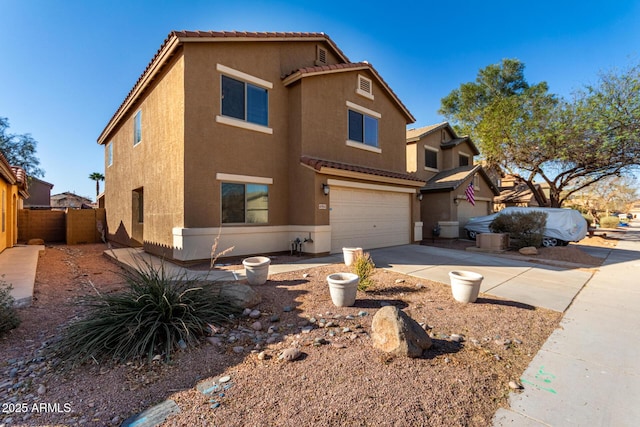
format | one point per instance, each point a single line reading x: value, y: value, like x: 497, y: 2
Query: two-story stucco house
x: 456, y: 189
x: 264, y: 139
x: 13, y: 190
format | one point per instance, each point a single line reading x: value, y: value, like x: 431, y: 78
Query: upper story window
x: 363, y: 127
x: 109, y: 153
x: 244, y: 100
x: 430, y: 158
x: 463, y: 159
x: 137, y: 128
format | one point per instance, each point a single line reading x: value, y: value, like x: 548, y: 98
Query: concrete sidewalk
x: 18, y: 268
x: 588, y: 371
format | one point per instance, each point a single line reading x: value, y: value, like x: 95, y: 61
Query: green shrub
x: 8, y: 314
x: 364, y: 267
x: 609, y: 222
x: 157, y: 314
x: 524, y: 228
x: 589, y: 218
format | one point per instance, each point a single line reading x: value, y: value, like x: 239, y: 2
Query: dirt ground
x: 339, y: 380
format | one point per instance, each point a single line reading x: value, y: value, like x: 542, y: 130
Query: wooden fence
x: 72, y: 226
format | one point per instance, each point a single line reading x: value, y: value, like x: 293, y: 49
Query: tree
x: 19, y: 150
x: 533, y: 134
x: 97, y: 177
x: 612, y: 194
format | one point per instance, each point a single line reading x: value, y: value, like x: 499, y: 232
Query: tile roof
x: 6, y: 171
x: 318, y: 164
x: 451, y: 179
x: 423, y: 131
x: 177, y: 38
x: 414, y: 135
x: 20, y: 174
x: 351, y: 66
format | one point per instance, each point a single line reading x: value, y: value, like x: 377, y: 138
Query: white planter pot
x: 350, y: 254
x: 343, y: 288
x: 465, y: 285
x: 256, y: 269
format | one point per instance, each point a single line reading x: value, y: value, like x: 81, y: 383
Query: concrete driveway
x: 529, y: 283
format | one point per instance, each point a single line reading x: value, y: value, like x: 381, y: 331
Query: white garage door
x: 368, y: 218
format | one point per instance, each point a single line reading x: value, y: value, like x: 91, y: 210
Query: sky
x: 68, y: 64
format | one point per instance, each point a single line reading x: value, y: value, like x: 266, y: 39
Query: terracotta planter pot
x: 257, y: 269
x: 465, y: 285
x: 343, y: 288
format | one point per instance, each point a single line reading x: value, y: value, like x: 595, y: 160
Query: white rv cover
x: 564, y: 224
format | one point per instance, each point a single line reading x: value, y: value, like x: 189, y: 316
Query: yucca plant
x: 364, y: 267
x: 8, y: 316
x: 157, y: 314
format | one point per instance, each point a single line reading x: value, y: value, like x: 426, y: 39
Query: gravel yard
x: 340, y: 379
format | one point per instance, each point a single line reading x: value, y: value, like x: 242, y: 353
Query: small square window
x: 463, y: 160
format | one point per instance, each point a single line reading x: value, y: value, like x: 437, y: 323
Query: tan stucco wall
x: 8, y: 210
x: 185, y: 146
x: 447, y: 158
x: 435, y: 207
x: 156, y: 165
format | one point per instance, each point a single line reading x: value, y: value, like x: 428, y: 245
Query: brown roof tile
x: 318, y: 164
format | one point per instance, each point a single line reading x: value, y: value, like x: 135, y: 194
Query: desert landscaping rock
x: 290, y: 354
x: 528, y: 250
x: 416, y: 391
x: 243, y: 295
x: 393, y: 331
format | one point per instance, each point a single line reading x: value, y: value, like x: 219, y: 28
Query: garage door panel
x: 368, y: 219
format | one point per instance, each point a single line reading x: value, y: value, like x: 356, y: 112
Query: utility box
x: 449, y: 229
x: 493, y: 241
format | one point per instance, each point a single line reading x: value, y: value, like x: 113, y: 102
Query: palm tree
x: 97, y: 177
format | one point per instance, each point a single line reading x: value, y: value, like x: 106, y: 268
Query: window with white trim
x: 244, y: 203
x: 137, y: 128
x: 363, y: 128
x: 244, y: 97
x: 109, y: 153
x: 430, y: 158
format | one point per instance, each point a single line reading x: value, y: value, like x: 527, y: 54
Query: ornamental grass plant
x: 364, y: 267
x: 157, y: 314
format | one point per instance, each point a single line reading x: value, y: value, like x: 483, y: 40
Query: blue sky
x: 68, y: 64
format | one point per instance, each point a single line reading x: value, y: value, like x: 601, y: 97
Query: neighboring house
x: 445, y: 161
x: 514, y: 191
x: 69, y: 200
x: 13, y: 190
x: 264, y: 139
x: 39, y: 194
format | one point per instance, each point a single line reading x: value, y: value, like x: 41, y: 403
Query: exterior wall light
x: 325, y: 189
x: 419, y: 196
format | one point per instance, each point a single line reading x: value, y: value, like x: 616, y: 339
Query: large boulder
x: 393, y: 331
x: 243, y: 295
